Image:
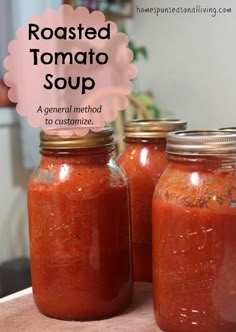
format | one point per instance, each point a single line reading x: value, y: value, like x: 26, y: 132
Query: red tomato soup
x: 143, y: 161
x: 79, y: 229
x: 194, y: 234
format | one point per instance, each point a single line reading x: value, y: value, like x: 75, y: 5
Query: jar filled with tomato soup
x: 143, y: 161
x: 79, y: 228
x: 194, y: 234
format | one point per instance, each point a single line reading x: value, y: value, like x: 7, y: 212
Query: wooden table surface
x: 18, y: 313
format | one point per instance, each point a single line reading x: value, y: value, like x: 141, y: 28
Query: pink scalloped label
x: 69, y: 69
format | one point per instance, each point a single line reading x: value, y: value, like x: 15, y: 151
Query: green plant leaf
x: 142, y: 51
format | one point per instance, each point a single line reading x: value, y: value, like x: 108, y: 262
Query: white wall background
x: 13, y: 176
x: 192, y: 61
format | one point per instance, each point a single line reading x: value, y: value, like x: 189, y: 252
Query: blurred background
x: 186, y: 69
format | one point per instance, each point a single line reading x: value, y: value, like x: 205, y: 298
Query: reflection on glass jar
x: 194, y: 227
x: 79, y: 228
x: 143, y: 161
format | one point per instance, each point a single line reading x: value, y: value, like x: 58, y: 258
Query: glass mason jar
x: 143, y: 161
x: 79, y: 228
x: 194, y: 234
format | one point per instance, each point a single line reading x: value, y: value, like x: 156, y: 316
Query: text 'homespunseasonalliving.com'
x: 197, y: 9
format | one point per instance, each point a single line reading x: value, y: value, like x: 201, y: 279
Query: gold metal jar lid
x: 55, y: 139
x: 153, y: 128
x: 201, y: 142
x: 228, y: 128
